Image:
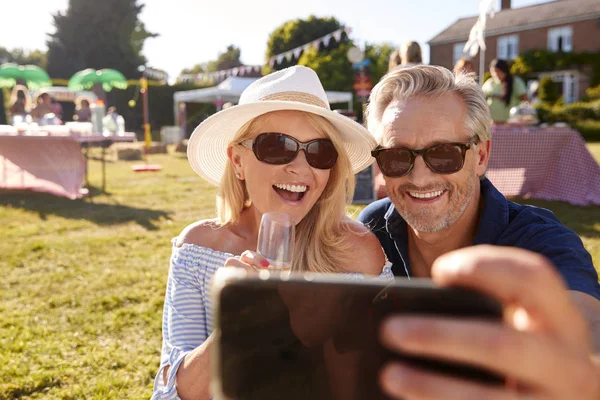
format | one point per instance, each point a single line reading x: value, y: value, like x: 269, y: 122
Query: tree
x: 333, y: 67
x: 229, y: 59
x: 24, y: 57
x: 379, y: 54
x: 226, y: 60
x: 547, y: 91
x: 97, y: 34
x: 295, y: 33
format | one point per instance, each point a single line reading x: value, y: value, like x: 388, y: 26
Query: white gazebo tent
x: 231, y: 89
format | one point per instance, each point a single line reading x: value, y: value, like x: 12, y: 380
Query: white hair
x: 405, y: 83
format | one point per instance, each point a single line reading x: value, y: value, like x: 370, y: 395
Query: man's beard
x: 425, y: 220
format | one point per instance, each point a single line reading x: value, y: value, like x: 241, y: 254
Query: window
x: 458, y: 52
x: 560, y: 39
x: 508, y: 47
x: 569, y: 80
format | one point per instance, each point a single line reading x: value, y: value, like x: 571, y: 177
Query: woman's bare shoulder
x: 205, y: 233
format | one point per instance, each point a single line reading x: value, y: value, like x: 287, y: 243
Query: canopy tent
x: 231, y: 89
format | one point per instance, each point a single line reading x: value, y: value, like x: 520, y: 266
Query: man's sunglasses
x: 279, y: 148
x: 445, y: 158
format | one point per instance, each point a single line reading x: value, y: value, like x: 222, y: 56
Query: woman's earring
x: 238, y: 175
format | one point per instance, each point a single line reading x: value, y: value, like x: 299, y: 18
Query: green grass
x: 82, y: 293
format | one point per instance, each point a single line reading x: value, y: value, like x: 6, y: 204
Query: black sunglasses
x: 445, y: 158
x: 279, y: 148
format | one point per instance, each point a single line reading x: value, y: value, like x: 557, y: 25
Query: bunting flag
x: 276, y: 59
x: 205, y: 77
x: 316, y: 44
x: 156, y: 74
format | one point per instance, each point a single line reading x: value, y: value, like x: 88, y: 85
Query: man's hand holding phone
x: 543, y: 348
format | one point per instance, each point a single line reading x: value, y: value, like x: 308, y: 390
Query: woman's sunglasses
x: 445, y: 158
x: 279, y: 148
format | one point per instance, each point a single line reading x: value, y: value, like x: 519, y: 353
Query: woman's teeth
x: 426, y: 195
x: 291, y: 188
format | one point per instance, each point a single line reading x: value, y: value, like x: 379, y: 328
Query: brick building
x: 561, y: 25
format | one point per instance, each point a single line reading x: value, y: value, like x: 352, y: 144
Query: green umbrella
x: 108, y: 78
x: 35, y: 77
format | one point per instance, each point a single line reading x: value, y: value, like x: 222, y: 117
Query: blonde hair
x: 395, y: 60
x: 462, y: 63
x: 319, y: 243
x: 430, y: 81
x: 411, y: 53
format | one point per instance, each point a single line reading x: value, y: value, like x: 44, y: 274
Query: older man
x: 433, y: 128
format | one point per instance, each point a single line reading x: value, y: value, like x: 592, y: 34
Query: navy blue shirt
x: 501, y: 223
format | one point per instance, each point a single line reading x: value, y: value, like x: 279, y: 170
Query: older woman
x: 281, y: 149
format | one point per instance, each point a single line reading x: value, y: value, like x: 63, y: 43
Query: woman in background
x: 503, y: 91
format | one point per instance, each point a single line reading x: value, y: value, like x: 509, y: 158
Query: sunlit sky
x: 194, y: 31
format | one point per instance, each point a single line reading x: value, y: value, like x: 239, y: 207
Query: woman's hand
x: 249, y: 260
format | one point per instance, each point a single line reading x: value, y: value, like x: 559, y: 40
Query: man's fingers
x: 516, y: 277
x: 403, y: 382
x: 537, y: 361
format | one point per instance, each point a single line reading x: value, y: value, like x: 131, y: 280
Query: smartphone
x: 282, y: 335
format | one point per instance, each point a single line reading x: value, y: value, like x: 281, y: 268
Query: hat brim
x: 208, y: 143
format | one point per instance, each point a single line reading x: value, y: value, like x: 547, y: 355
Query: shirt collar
x: 494, y: 217
x: 492, y: 223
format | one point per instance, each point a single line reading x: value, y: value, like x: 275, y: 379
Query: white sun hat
x: 294, y: 88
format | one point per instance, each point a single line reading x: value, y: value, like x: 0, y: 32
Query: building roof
x: 524, y: 18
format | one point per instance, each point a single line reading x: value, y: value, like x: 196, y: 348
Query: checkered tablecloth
x: 45, y: 163
x: 49, y: 164
x: 547, y: 164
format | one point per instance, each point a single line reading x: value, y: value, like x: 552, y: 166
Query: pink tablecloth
x: 50, y: 164
x: 547, y: 164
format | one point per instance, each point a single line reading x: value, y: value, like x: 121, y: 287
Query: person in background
x: 503, y: 91
x: 411, y: 54
x: 20, y: 104
x: 83, y: 113
x: 57, y: 108
x: 43, y: 107
x: 113, y: 123
x: 395, y: 60
x: 464, y: 64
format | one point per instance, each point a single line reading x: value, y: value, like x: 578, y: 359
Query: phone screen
x: 314, y: 340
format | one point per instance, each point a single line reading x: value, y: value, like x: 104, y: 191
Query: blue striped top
x: 187, y: 315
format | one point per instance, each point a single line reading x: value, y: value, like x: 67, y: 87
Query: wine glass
x: 276, y: 239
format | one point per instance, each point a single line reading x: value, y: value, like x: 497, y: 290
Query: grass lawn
x: 82, y: 293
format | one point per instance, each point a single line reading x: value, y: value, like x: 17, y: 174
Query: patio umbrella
x: 107, y: 78
x: 34, y: 76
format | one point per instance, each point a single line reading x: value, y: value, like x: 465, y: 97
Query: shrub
x: 547, y: 91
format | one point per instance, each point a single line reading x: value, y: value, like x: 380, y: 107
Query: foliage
x: 592, y: 93
x: 581, y: 116
x: 379, y: 54
x: 333, y: 67
x: 97, y: 34
x: 160, y: 105
x: 589, y: 129
x: 295, y: 33
x: 24, y: 57
x: 230, y: 58
x: 547, y: 91
x: 535, y: 61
